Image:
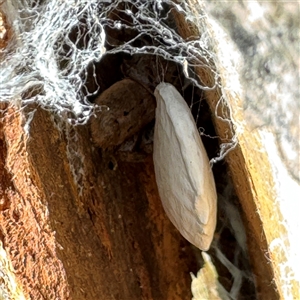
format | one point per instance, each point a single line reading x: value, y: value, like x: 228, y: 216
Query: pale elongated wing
x: 183, y: 175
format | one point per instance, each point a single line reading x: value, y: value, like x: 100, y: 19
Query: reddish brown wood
x: 103, y: 236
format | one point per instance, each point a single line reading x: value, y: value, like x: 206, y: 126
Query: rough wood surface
x: 80, y: 223
x: 251, y: 174
x: 105, y: 237
x: 26, y: 235
x: 4, y: 31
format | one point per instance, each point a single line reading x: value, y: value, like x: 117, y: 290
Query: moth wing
x: 195, y: 160
x: 181, y: 166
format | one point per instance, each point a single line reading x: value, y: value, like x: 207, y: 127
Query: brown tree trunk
x: 95, y: 230
x: 78, y: 222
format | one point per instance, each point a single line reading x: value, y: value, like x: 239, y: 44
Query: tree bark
x: 93, y: 229
x: 81, y: 222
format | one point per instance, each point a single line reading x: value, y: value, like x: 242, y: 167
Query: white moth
x: 184, y: 178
